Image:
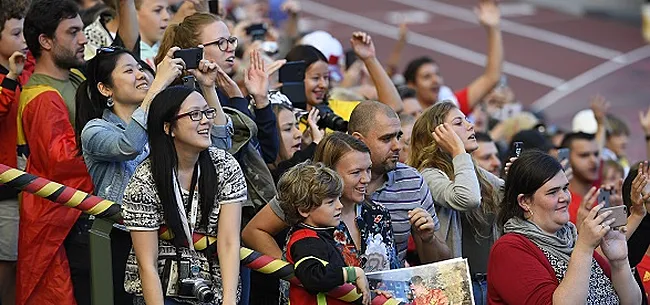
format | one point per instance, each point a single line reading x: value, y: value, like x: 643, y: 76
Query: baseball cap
x: 331, y: 48
x: 584, y: 121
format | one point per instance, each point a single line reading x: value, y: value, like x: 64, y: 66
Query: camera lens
x: 203, y: 292
x: 330, y: 120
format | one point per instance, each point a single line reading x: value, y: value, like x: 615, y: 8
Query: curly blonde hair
x: 426, y: 153
x: 304, y: 187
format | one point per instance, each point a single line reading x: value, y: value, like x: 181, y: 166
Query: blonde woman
x: 466, y: 196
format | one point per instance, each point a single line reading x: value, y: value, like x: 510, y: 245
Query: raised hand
x: 362, y: 45
x: 422, y: 222
x: 614, y: 245
x: 225, y: 83
x: 256, y: 80
x: 402, y: 35
x: 588, y: 201
x: 600, y: 106
x: 506, y: 169
x: 644, y: 119
x: 448, y: 140
x: 275, y: 66
x: 639, y: 196
x: 593, y: 228
x: 205, y: 73
x: 291, y: 7
x: 168, y: 70
x: 488, y: 13
x: 16, y: 64
x: 317, y: 134
x: 617, y: 193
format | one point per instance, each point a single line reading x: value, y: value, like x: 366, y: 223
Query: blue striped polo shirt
x: 404, y: 191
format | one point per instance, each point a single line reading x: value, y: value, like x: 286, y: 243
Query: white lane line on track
x: 515, y: 28
x: 591, y: 76
x: 442, y: 47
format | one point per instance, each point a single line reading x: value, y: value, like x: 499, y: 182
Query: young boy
x: 14, y: 72
x: 309, y: 196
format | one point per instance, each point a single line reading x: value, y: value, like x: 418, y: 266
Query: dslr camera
x: 191, y: 285
x: 328, y: 119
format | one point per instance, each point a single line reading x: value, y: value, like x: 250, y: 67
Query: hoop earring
x: 109, y: 102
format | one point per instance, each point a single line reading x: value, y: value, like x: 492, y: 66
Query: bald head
x: 363, y: 116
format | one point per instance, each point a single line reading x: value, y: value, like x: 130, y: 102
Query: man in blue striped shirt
x: 397, y: 186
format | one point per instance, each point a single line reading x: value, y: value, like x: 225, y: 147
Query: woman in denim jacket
x: 111, y: 123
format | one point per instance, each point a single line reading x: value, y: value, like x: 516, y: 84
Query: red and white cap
x: 331, y: 48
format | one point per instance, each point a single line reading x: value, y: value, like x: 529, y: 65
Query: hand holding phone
x: 619, y: 213
x: 517, y: 147
x: 192, y: 57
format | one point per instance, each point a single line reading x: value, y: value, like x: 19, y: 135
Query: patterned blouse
x: 143, y: 211
x: 601, y: 289
x: 377, y: 251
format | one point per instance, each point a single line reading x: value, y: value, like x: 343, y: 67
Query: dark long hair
x: 163, y: 109
x: 90, y: 103
x: 527, y: 174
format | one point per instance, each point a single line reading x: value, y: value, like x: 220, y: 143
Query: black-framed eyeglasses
x: 223, y: 42
x: 197, y: 115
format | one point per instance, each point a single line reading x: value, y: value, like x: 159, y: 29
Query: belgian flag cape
x: 47, y: 139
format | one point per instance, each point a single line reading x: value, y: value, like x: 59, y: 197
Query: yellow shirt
x: 341, y: 108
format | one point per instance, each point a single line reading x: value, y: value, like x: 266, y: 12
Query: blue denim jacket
x: 113, y: 149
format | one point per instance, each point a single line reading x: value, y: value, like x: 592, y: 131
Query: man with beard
x: 585, y: 162
x: 53, y: 254
x: 397, y: 186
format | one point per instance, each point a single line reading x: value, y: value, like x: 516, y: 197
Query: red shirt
x: 463, y: 101
x: 644, y: 272
x: 9, y: 97
x: 574, y: 205
x: 520, y: 273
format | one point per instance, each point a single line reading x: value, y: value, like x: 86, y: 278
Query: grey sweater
x: 454, y: 196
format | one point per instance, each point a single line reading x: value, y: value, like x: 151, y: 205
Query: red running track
x: 555, y: 61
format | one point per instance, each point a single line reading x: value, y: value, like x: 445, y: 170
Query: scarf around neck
x: 559, y: 244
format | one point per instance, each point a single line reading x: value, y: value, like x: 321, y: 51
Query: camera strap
x: 188, y: 226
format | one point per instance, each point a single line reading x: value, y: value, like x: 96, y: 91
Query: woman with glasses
x: 189, y: 186
x: 111, y: 123
x: 209, y: 31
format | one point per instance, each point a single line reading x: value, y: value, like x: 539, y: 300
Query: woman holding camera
x: 317, y: 76
x: 541, y: 259
x: 188, y: 186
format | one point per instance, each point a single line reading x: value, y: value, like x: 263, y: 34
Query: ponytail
x: 89, y: 106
